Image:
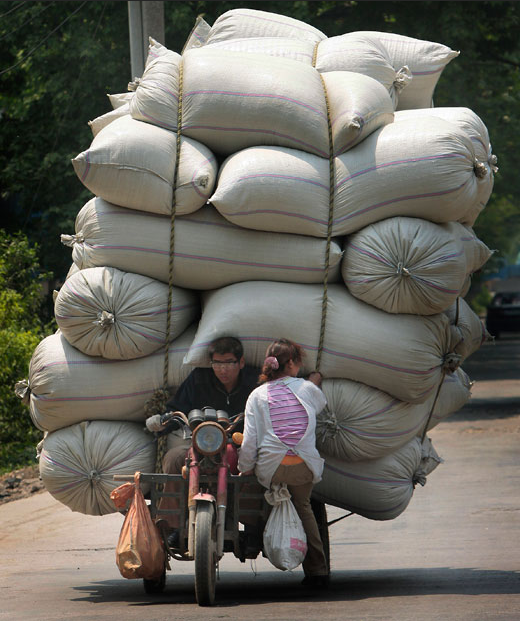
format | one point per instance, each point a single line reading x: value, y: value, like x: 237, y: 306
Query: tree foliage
x: 21, y: 329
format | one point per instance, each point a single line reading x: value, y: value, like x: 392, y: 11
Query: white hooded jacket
x: 262, y: 449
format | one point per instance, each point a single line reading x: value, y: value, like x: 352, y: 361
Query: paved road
x: 452, y: 555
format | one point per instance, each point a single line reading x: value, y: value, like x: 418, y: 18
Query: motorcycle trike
x: 212, y: 501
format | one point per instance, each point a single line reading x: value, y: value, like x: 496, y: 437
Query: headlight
x: 209, y: 438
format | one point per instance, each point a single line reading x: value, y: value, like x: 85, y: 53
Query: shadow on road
x: 234, y: 590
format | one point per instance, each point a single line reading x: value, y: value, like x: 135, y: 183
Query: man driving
x: 224, y: 386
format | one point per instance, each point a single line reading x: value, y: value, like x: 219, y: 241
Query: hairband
x: 272, y: 362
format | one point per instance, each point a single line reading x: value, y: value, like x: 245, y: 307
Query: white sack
x: 198, y: 34
x: 118, y: 100
x: 410, y: 265
x: 358, y: 105
x: 473, y: 125
x: 423, y: 168
x: 361, y: 423
x: 378, y: 489
x: 233, y: 100
x: 132, y: 164
x: 209, y: 251
x: 119, y: 315
x: 67, y: 386
x: 245, y: 23
x: 77, y: 464
x: 365, y: 57
x: 468, y: 330
x: 355, y: 52
x: 402, y: 355
x: 425, y: 59
x: 102, y: 121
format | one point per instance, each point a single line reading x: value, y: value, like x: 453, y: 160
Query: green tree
x: 58, y: 62
x: 21, y: 329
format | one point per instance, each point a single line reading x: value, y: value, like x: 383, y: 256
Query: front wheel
x: 205, y: 555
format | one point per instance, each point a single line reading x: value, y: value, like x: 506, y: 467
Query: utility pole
x: 145, y: 19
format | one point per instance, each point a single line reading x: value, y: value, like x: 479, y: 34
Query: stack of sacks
x: 89, y: 383
x: 262, y: 93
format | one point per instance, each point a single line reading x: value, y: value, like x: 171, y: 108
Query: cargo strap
x: 157, y: 403
x: 450, y: 364
x: 425, y: 430
x: 324, y: 303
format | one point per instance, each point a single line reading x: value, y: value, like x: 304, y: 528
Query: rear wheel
x: 205, y: 555
x: 320, y: 513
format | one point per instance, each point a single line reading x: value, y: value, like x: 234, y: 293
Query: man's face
x: 227, y: 368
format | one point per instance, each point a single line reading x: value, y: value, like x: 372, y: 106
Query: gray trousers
x: 299, y: 482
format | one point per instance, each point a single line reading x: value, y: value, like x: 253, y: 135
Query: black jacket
x: 202, y: 388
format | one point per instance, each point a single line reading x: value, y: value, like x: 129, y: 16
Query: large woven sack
x: 468, y: 330
x: 66, y: 386
x: 360, y: 56
x: 424, y: 168
x: 120, y: 107
x: 209, y: 252
x: 402, y: 355
x: 410, y: 265
x: 245, y: 23
x: 119, y: 315
x: 118, y: 100
x: 100, y: 122
x: 378, y: 489
x: 426, y: 60
x: 77, y: 464
x: 132, y: 164
x: 475, y: 128
x: 362, y: 423
x: 233, y: 100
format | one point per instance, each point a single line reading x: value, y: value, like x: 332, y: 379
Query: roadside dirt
x: 20, y: 484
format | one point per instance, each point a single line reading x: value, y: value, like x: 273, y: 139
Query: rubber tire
x: 205, y: 555
x: 320, y: 513
x: 155, y: 586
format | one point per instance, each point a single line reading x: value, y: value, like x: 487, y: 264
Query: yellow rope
x: 324, y: 303
x: 315, y: 53
x: 161, y: 396
x: 425, y: 430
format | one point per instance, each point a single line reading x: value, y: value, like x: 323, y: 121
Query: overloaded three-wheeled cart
x: 212, y: 502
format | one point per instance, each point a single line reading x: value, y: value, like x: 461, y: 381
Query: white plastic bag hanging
x: 285, y: 542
